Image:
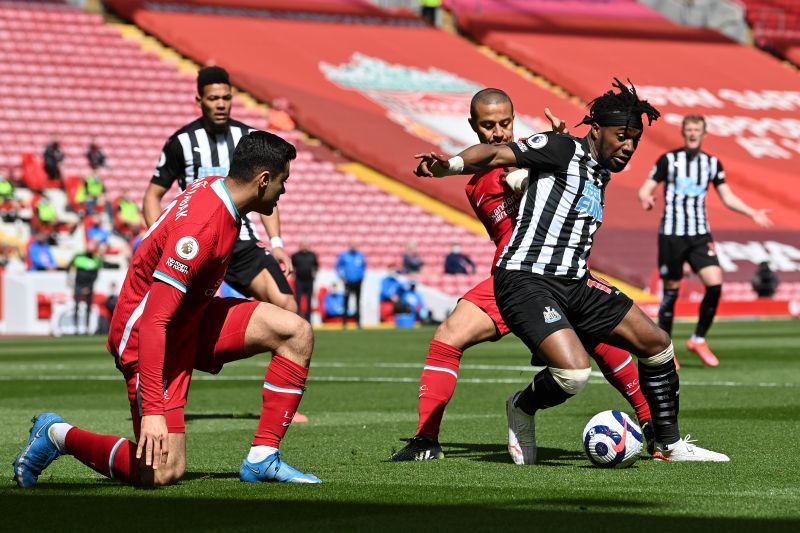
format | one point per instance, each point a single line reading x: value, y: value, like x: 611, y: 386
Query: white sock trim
x: 259, y: 453
x: 112, y: 455
x: 659, y: 358
x: 572, y: 380
x: 441, y: 369
x: 58, y: 435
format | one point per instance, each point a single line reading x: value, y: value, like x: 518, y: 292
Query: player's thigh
x: 710, y: 275
x: 596, y: 307
x: 639, y: 335
x: 672, y: 253
x: 223, y: 336
x: 563, y: 349
x: 532, y: 306
x: 466, y: 326
x: 265, y: 288
x: 235, y: 329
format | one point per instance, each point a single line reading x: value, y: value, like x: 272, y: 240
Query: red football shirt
x: 496, y: 206
x: 188, y: 248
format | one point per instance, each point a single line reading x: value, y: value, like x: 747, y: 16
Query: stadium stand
x: 101, y: 85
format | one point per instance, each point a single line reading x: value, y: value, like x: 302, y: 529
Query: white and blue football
x: 612, y: 439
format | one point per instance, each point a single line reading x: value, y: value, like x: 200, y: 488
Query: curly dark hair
x: 624, y: 103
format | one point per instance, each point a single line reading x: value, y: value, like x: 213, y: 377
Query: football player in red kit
x: 495, y: 198
x: 168, y: 322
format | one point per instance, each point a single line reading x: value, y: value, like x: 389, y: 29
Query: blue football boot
x: 38, y: 452
x: 273, y: 468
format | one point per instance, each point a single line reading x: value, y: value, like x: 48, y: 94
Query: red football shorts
x: 482, y: 295
x: 205, y: 339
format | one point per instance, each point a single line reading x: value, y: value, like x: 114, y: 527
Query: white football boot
x: 685, y: 450
x: 521, y: 434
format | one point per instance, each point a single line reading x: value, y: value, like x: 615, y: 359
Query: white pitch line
x: 387, y: 379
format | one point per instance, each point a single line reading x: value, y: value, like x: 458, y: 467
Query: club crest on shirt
x: 550, y: 315
x: 537, y: 141
x: 187, y: 248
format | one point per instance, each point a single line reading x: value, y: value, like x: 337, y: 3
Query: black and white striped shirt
x: 192, y: 153
x: 561, y: 210
x: 686, y: 181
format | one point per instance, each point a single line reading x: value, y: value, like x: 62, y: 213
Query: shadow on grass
x: 497, y: 453
x: 315, y: 508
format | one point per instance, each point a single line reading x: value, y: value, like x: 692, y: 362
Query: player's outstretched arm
x: 477, y: 158
x: 734, y: 203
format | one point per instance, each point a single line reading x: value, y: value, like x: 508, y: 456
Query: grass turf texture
x: 362, y: 398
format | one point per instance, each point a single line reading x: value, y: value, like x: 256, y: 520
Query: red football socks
x: 619, y: 369
x: 114, y: 457
x: 436, y: 387
x: 283, y: 389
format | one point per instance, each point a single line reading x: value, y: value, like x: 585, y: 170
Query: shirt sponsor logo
x: 187, y: 248
x: 688, y: 187
x: 522, y: 146
x: 550, y: 315
x: 590, y: 202
x: 537, y: 141
x: 177, y: 265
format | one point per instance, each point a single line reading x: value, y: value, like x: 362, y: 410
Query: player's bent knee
x: 300, y: 344
x: 571, y: 380
x: 665, y: 356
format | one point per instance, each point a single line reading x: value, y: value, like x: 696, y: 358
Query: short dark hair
x: 260, y: 151
x: 625, y: 103
x: 694, y: 118
x: 210, y: 76
x: 487, y: 97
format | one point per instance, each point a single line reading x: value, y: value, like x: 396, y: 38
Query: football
x: 612, y: 439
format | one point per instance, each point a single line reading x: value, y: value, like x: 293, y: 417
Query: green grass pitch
x: 361, y: 399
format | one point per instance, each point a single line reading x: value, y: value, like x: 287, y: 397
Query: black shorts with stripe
x: 675, y: 250
x: 536, y: 306
x: 250, y: 258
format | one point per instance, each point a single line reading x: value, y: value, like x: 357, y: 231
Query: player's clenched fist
x: 154, y: 441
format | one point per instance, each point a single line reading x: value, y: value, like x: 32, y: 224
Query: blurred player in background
x: 476, y: 318
x: 543, y: 288
x: 203, y: 148
x: 168, y: 322
x: 685, y: 234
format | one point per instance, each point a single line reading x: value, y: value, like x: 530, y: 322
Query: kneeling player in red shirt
x: 168, y: 322
x: 476, y: 318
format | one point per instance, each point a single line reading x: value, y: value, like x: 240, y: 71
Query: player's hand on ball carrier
x: 431, y: 165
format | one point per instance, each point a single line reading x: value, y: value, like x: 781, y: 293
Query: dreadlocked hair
x: 626, y: 101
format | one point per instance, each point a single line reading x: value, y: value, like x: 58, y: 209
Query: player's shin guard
x: 114, y: 457
x: 436, y: 387
x: 284, y: 385
x: 708, y: 310
x: 551, y: 387
x: 666, y: 311
x: 619, y: 369
x: 659, y: 381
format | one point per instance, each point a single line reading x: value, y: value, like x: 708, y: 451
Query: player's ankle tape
x: 571, y: 381
x: 660, y: 358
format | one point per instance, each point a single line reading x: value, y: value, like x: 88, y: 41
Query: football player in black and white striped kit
x: 685, y: 235
x: 543, y: 287
x: 203, y: 148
